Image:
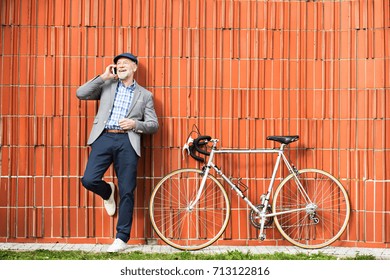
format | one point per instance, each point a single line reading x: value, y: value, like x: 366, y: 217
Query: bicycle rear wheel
x: 324, y: 216
x: 184, y: 228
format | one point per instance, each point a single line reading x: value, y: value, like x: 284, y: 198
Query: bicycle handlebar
x: 196, y: 145
x: 201, y: 141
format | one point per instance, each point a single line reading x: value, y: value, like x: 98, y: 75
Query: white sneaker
x: 117, y: 246
x: 109, y: 204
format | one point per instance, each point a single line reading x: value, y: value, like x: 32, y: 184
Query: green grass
x: 137, y: 255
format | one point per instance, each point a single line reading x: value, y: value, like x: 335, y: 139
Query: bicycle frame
x: 190, y: 208
x: 265, y: 200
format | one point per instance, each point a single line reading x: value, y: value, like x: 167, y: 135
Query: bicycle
x: 190, y: 209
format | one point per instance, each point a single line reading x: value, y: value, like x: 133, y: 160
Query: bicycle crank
x: 255, y: 218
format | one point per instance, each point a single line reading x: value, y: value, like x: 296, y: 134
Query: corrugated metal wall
x: 240, y: 70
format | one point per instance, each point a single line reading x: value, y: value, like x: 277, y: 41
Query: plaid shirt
x: 122, y: 102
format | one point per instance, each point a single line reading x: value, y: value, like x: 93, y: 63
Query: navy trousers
x: 112, y: 148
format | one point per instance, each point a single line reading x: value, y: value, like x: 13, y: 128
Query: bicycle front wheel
x: 324, y: 209
x: 183, y: 227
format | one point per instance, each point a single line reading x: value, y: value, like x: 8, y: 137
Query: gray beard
x: 123, y: 76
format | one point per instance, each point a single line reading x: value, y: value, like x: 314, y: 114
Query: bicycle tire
x: 180, y: 227
x: 333, y: 209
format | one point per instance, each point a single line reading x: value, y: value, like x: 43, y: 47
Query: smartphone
x: 113, y: 70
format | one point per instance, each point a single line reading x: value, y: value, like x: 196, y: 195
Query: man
x: 126, y: 111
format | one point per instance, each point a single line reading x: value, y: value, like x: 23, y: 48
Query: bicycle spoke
x: 181, y: 226
x: 323, y: 221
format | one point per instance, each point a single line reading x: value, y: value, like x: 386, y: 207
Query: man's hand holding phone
x: 110, y: 73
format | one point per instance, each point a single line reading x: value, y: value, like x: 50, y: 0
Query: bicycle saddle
x: 284, y: 139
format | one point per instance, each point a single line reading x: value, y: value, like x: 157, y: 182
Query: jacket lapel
x: 136, y: 95
x: 112, y: 93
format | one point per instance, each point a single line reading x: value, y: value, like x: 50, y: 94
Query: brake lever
x: 187, y: 147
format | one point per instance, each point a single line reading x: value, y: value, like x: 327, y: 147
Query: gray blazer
x: 141, y: 110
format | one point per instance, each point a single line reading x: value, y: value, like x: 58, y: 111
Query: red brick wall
x: 240, y: 70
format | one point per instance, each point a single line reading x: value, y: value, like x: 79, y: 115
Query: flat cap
x: 126, y: 55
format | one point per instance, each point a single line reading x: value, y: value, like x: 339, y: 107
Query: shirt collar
x: 131, y: 87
